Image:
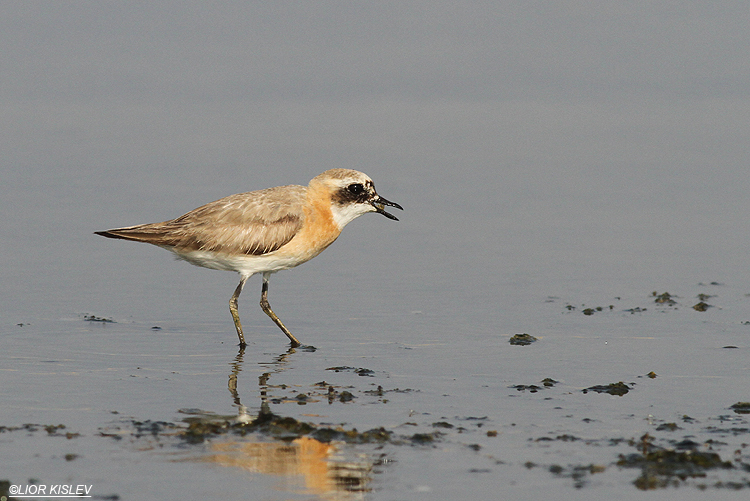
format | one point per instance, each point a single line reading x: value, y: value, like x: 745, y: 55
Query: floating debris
x: 522, y: 339
x: 379, y: 392
x: 591, y: 311
x: 637, y: 309
x: 668, y: 427
x: 701, y: 306
x: 577, y: 473
x: 664, y: 298
x: 662, y: 468
x: 53, y: 430
x: 442, y: 424
x: 360, y: 372
x: 94, y: 318
x: 203, y: 428
x: 425, y: 438
x: 346, y: 396
x: 153, y: 428
x: 532, y: 388
x: 618, y: 389
x: 741, y: 407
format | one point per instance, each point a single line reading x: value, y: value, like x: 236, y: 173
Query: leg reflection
x: 306, y: 456
x: 279, y: 364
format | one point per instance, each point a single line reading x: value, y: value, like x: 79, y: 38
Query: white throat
x: 345, y: 214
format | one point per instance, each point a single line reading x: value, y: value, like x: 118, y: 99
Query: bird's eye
x: 355, y: 189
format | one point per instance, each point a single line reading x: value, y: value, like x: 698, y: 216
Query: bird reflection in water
x: 330, y: 470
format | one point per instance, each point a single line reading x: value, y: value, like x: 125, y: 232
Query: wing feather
x: 252, y: 223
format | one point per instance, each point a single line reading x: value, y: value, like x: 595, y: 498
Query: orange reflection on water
x: 307, y: 462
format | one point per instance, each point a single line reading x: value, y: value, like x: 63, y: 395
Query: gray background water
x: 576, y: 153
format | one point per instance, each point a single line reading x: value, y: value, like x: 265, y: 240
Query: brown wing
x: 251, y: 223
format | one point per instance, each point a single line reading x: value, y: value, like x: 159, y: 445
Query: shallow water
x: 528, y: 203
x: 425, y: 373
x: 427, y: 307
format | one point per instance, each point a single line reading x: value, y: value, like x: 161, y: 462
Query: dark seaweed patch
x: 94, y: 318
x: 668, y: 427
x: 53, y: 430
x: 532, y: 388
x: 358, y: 371
x: 522, y: 339
x: 442, y: 424
x: 578, y: 473
x: 618, y: 389
x: 665, y: 298
x: 661, y: 467
x: 200, y: 429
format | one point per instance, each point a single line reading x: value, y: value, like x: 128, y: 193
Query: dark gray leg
x: 267, y: 309
x: 235, y: 314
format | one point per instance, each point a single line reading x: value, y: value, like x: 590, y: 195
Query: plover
x: 264, y: 231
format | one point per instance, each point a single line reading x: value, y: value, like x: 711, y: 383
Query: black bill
x: 379, y: 203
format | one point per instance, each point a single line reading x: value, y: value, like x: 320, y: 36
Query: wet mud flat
x: 306, y: 423
x: 327, y: 459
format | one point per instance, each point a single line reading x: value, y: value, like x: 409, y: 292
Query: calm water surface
x: 561, y: 168
x: 426, y: 305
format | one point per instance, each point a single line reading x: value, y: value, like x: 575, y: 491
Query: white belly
x: 241, y: 263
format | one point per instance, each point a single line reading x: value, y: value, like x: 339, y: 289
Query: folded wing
x: 253, y: 223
